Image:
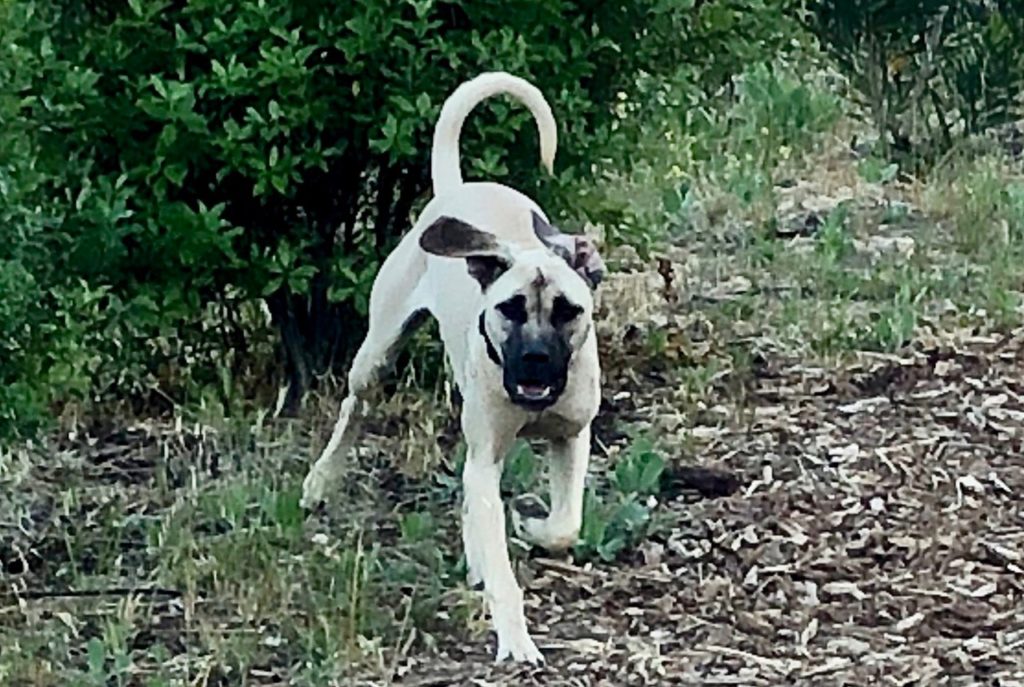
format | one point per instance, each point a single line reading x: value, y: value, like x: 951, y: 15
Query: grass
x: 233, y: 585
x: 244, y: 585
x: 249, y: 581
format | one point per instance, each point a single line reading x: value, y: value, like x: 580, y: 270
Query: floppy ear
x: 485, y: 257
x: 588, y: 261
x: 542, y: 228
x: 557, y: 242
x: 580, y: 252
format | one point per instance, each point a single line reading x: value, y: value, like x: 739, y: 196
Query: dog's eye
x: 514, y: 309
x: 563, y: 312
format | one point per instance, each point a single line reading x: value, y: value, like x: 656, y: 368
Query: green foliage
x: 875, y: 170
x: 985, y: 202
x: 616, y: 521
x: 893, y: 325
x: 108, y: 658
x: 777, y: 110
x: 739, y: 140
x: 639, y: 472
x: 53, y: 322
x: 928, y: 71
x: 833, y: 242
x: 522, y: 468
x: 670, y: 127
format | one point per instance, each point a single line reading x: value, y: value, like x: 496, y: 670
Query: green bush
x: 177, y: 163
x: 40, y: 326
x: 929, y: 72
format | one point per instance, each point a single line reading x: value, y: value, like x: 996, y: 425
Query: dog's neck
x: 492, y: 352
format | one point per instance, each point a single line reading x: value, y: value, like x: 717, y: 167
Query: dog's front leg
x: 483, y: 533
x: 558, y: 529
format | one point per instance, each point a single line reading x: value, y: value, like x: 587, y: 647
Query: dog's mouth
x: 534, y: 391
x: 533, y: 395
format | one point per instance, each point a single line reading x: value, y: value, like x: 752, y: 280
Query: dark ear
x: 486, y: 268
x: 579, y: 252
x: 452, y: 238
x: 588, y: 262
x: 541, y: 227
x: 557, y: 242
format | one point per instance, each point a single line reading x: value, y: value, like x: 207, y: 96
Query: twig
x: 829, y: 667
x: 93, y: 593
x: 776, y: 664
x: 402, y: 649
x: 567, y: 568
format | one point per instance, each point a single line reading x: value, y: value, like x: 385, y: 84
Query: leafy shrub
x: 41, y: 356
x: 777, y: 109
x: 775, y: 112
x: 928, y: 71
x: 670, y: 122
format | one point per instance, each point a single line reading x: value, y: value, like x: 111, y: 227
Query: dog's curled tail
x: 445, y: 170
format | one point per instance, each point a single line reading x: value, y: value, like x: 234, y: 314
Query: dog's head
x: 538, y: 303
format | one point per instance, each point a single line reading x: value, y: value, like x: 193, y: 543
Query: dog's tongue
x: 533, y: 389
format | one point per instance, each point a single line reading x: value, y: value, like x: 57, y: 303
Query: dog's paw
x: 313, y: 488
x: 530, y: 506
x: 519, y: 648
x: 531, y: 521
x: 529, y: 515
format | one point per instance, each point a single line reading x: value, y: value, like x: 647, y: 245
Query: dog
x: 513, y: 298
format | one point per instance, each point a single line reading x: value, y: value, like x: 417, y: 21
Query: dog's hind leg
x: 558, y: 529
x: 325, y: 470
x: 392, y: 315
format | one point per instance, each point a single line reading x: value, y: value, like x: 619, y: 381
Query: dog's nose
x: 536, y: 356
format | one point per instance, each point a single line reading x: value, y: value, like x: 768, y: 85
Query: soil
x: 875, y: 535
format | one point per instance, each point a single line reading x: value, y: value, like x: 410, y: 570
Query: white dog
x: 513, y: 300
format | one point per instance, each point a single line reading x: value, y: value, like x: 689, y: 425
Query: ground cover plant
x: 807, y: 465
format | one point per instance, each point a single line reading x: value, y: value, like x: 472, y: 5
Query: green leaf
x: 272, y: 286
x: 96, y: 656
x: 159, y: 85
x: 672, y: 200
x: 176, y: 173
x: 280, y: 183
x: 632, y: 514
x: 423, y: 104
x: 122, y: 663
x: 610, y: 550
x: 650, y: 474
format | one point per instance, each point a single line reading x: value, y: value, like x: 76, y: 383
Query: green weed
x: 622, y: 517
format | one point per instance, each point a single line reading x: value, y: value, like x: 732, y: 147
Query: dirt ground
x: 877, y: 538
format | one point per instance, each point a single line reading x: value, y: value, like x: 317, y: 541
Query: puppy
x: 513, y: 300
